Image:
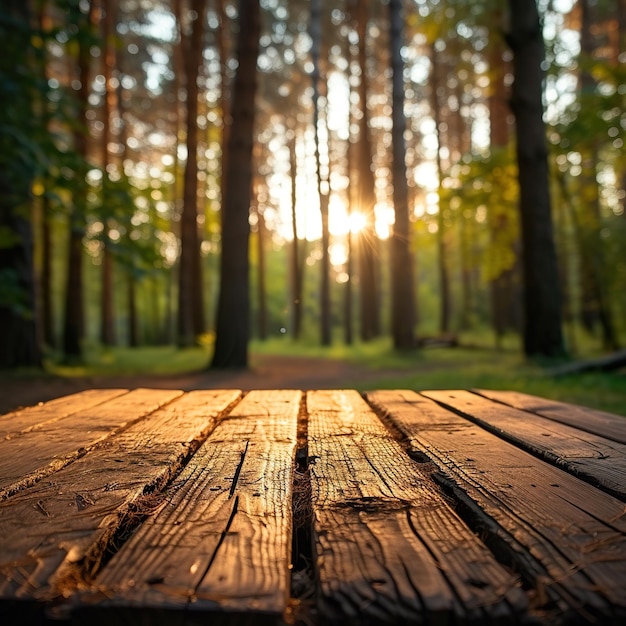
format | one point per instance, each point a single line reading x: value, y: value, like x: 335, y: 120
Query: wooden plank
x: 390, y: 549
x: 566, y: 536
x: 55, y: 535
x: 589, y: 420
x: 30, y: 417
x: 595, y: 459
x: 221, y: 541
x: 33, y: 454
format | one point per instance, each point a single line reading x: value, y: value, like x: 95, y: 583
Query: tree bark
x: 402, y: 299
x: 233, y: 310
x: 442, y: 242
x: 295, y: 258
x: 323, y: 187
x: 542, y: 298
x: 107, y: 308
x: 18, y: 332
x: 73, y: 326
x: 367, y: 240
x: 190, y: 311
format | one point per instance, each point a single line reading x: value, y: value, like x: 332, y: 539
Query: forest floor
x: 267, y: 372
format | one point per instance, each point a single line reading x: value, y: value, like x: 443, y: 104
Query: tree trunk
x: 233, y: 310
x: 542, y: 298
x: 190, y: 310
x: 133, y: 320
x: 442, y: 243
x: 505, y: 287
x: 18, y: 333
x: 295, y: 259
x: 323, y: 187
x: 262, y: 288
x: 595, y: 303
x: 402, y: 300
x: 73, y: 326
x: 107, y: 322
x: 367, y: 240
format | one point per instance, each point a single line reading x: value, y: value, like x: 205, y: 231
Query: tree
x: 19, y: 162
x: 74, y: 318
x: 367, y: 241
x: 323, y: 186
x: 233, y: 310
x: 190, y: 311
x: 542, y: 300
x: 403, y: 316
x: 107, y: 322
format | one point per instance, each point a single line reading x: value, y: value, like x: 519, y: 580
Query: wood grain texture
x: 593, y: 458
x: 390, y: 549
x: 31, y: 417
x: 33, y: 454
x: 588, y: 420
x: 54, y: 535
x: 222, y: 538
x: 567, y: 538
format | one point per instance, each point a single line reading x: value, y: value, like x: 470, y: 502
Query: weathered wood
x: 31, y: 417
x: 566, y: 537
x: 593, y: 458
x: 390, y: 549
x: 33, y: 454
x: 221, y: 540
x: 588, y: 420
x: 55, y: 535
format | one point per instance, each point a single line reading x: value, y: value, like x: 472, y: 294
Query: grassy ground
x: 428, y: 368
x: 467, y: 368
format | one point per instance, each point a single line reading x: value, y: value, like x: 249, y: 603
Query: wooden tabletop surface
x: 155, y: 506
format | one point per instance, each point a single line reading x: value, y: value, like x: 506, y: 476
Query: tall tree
x: 595, y: 302
x: 445, y: 309
x: 323, y: 187
x: 18, y: 167
x: 505, y: 284
x: 107, y: 322
x: 190, y: 310
x: 296, y: 265
x: 73, y: 321
x: 366, y: 194
x: 233, y: 309
x: 542, y: 299
x: 403, y: 315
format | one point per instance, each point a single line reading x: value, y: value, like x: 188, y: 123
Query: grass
x: 157, y: 360
x: 465, y: 368
x: 429, y: 368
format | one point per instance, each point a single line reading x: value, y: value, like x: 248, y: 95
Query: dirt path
x: 269, y: 372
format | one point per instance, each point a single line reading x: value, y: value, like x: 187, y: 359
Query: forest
x: 191, y: 172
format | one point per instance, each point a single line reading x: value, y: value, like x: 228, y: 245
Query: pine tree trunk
x: 73, y: 326
x: 367, y: 240
x: 190, y: 312
x: 542, y: 298
x: 323, y: 188
x: 233, y: 310
x: 402, y: 299
x: 107, y: 327
x: 18, y: 333
x: 295, y: 257
x: 442, y: 236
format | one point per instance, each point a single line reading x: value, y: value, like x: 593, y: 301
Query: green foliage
x: 485, y: 190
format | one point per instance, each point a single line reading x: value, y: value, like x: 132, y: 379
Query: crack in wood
x: 233, y: 486
x: 220, y: 541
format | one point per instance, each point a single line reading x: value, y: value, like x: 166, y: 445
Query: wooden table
x: 441, y: 507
